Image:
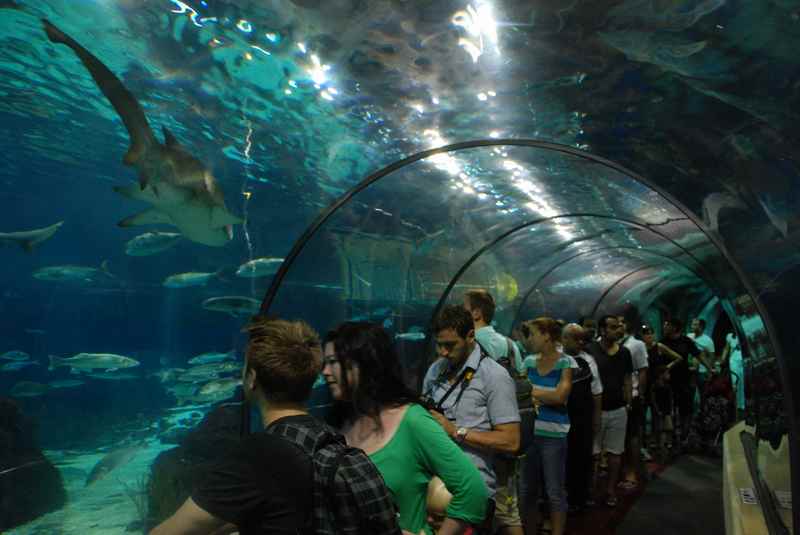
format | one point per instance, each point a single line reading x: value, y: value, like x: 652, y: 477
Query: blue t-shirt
x: 551, y: 421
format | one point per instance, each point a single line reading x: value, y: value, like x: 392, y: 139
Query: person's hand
x: 448, y: 426
x: 434, y: 521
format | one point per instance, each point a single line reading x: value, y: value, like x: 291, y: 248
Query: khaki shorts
x: 506, y: 511
x: 611, y: 437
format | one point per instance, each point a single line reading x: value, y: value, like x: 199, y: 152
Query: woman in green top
x: 379, y: 414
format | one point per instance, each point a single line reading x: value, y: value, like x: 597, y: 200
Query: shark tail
x: 105, y: 270
x: 125, y: 104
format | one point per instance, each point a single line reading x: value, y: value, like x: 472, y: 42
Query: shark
x: 28, y: 239
x: 181, y: 191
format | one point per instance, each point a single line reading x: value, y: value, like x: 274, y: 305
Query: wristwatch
x: 461, y: 434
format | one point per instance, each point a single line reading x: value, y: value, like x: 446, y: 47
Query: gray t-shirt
x: 638, y: 351
x: 487, y: 401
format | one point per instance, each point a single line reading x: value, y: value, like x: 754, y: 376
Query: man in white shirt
x: 633, y: 462
x: 706, y: 344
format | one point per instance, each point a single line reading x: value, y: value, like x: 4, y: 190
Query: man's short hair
x: 285, y: 356
x: 547, y: 326
x: 483, y: 301
x: 454, y: 317
x: 702, y: 323
x: 676, y: 323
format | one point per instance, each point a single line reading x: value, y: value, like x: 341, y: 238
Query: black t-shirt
x: 613, y: 370
x: 683, y: 346
x: 265, y: 485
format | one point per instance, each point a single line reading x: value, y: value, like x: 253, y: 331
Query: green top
x: 419, y: 450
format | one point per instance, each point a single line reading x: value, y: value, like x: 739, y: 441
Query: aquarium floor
x: 107, y: 506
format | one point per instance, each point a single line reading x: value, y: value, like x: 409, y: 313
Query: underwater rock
x: 175, y: 472
x: 30, y: 485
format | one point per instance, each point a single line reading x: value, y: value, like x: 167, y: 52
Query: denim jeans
x: 546, y: 460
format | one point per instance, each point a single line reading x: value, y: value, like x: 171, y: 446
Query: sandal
x: 612, y: 501
x: 628, y: 485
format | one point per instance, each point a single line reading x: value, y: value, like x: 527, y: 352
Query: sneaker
x: 646, y: 455
x: 612, y: 501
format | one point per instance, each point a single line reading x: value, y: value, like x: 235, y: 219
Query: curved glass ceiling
x: 495, y: 217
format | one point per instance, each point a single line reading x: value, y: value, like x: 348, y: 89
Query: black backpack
x: 350, y: 495
x: 523, y: 389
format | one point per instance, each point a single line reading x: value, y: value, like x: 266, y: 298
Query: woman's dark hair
x: 380, y: 384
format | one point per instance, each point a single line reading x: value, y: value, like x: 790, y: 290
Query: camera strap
x: 463, y: 380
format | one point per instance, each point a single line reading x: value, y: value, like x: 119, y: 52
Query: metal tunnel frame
x: 587, y: 253
x: 668, y: 198
x: 480, y: 252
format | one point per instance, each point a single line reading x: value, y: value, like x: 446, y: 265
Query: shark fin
x: 169, y: 138
x: 148, y: 217
x: 221, y: 217
x: 132, y: 192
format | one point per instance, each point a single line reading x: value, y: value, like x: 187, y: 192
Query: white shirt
x: 703, y: 342
x: 639, y: 353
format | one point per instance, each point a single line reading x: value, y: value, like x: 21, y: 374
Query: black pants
x: 579, y: 458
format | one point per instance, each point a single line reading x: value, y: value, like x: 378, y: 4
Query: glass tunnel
x: 373, y: 160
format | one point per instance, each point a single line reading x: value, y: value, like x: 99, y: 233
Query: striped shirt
x: 551, y: 421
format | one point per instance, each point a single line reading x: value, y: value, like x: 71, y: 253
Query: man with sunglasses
x: 471, y: 396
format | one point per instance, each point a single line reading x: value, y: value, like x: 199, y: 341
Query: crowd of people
x: 559, y: 411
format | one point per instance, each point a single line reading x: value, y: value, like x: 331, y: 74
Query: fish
x: 167, y: 376
x: 15, y: 355
x: 151, y: 243
x: 234, y: 305
x: 412, y: 336
x: 112, y: 460
x: 713, y: 205
x: 35, y: 331
x: 209, y: 371
x: 662, y: 49
x: 17, y: 365
x: 28, y: 389
x: 114, y: 376
x: 28, y: 239
x: 92, y: 361
x: 65, y: 383
x: 72, y: 273
x: 219, y: 387
x: 212, y: 357
x: 187, y: 280
x: 182, y: 192
x: 259, y: 267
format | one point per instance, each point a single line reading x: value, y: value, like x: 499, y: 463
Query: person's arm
x: 704, y: 360
x: 598, y: 413
x: 676, y: 357
x: 189, y: 519
x: 560, y: 395
x: 440, y: 456
x: 628, y: 389
x: 503, y: 438
x: 723, y: 360
x: 643, y: 379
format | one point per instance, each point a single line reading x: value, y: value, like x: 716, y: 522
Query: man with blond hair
x: 272, y: 482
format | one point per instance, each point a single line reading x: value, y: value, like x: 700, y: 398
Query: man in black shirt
x: 266, y: 484
x: 615, y: 364
x: 680, y: 378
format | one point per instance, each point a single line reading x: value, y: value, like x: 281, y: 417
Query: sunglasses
x: 526, y: 332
